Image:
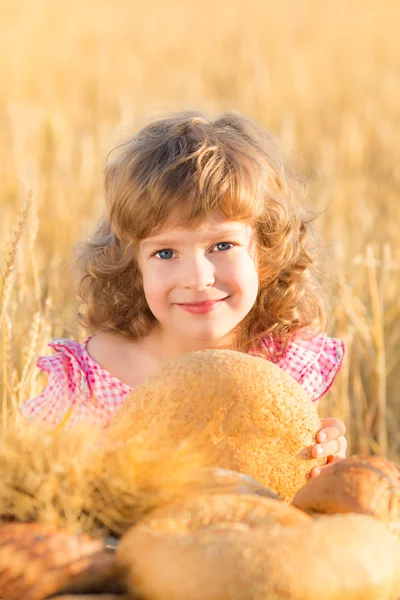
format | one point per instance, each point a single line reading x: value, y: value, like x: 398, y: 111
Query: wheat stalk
x: 30, y: 353
x: 7, y: 264
x: 379, y: 343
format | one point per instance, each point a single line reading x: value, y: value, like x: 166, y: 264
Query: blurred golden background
x: 322, y: 76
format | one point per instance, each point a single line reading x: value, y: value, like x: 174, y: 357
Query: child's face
x: 214, y: 263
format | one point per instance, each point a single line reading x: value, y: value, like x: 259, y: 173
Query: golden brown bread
x: 255, y: 416
x: 231, y: 548
x: 369, y: 485
x: 203, y: 511
x: 223, y: 481
x: 38, y: 560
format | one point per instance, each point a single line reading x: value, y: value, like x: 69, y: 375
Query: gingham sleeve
x: 67, y: 392
x: 312, y: 362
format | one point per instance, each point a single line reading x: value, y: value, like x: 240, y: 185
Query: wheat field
x: 322, y: 76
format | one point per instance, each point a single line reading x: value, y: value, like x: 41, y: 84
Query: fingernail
x: 322, y: 437
x: 319, y: 451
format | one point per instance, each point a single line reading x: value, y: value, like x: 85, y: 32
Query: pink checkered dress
x: 79, y: 389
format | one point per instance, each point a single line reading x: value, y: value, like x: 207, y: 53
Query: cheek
x: 244, y: 273
x: 155, y: 282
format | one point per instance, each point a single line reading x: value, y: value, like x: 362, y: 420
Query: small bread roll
x: 238, y: 547
x: 369, y: 485
x: 38, y: 560
x: 255, y: 416
x: 95, y: 597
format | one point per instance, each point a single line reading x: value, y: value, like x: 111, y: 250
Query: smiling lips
x: 201, y: 307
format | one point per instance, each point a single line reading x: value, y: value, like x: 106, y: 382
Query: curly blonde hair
x: 188, y: 166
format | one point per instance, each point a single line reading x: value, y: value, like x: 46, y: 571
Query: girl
x: 204, y: 244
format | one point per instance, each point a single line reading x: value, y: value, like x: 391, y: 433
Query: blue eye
x: 161, y: 251
x: 226, y: 244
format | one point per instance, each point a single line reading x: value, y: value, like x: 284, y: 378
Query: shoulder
x: 313, y: 361
x: 116, y: 356
x: 107, y: 349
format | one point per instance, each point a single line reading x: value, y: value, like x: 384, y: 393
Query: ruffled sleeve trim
x: 67, y: 387
x: 312, y: 362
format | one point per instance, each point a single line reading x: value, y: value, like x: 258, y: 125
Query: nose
x: 198, y: 273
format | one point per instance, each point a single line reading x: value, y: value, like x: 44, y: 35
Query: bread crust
x: 366, y: 485
x: 236, y: 548
x: 39, y: 560
x: 255, y: 416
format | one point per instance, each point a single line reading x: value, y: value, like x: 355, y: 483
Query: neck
x: 164, y: 346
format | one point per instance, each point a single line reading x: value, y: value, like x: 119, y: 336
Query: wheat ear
x: 7, y: 263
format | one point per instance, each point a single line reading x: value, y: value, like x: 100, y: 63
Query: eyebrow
x: 172, y: 242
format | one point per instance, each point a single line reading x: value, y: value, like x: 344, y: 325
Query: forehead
x: 211, y: 227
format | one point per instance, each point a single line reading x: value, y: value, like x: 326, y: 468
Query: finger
x: 333, y: 428
x: 316, y: 471
x: 343, y: 447
x: 342, y: 450
x: 335, y: 447
x: 329, y: 421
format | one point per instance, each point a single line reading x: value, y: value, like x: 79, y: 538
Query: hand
x: 332, y: 443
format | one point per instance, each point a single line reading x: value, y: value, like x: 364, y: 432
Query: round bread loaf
x: 235, y: 547
x: 368, y: 485
x: 256, y: 418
